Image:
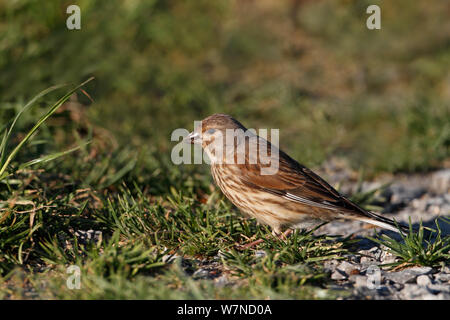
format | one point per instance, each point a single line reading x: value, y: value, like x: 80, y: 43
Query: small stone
x: 330, y: 265
x: 397, y: 286
x: 347, y: 268
x: 375, y: 252
x: 442, y: 277
x: 221, y: 254
x: 87, y: 236
x: 367, y: 261
x: 440, y: 181
x: 200, y: 274
x: 401, y: 194
x: 436, y: 288
x: 374, y: 249
x: 423, y: 280
x: 383, y: 291
x: 445, y: 269
x: 322, y: 294
x: 221, y: 281
x: 260, y: 254
x: 369, y: 256
x: 387, y: 257
x: 358, y: 280
x: 169, y: 258
x: 420, y: 270
x: 338, y: 275
x: 415, y: 292
x: 407, y: 275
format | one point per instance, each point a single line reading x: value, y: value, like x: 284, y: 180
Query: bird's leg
x: 275, y: 232
x: 251, y: 244
x: 285, y: 234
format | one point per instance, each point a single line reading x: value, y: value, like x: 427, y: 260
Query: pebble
x: 373, y: 253
x: 436, y: 288
x: 397, y: 286
x: 440, y: 181
x: 367, y: 260
x: 200, y: 274
x: 407, y: 275
x: 260, y: 254
x: 347, y: 268
x: 442, y: 277
x: 430, y: 292
x: 86, y: 236
x: 445, y: 269
x: 358, y: 280
x: 402, y: 194
x: 221, y: 281
x: 221, y: 254
x: 423, y: 280
x: 387, y: 257
x: 169, y: 258
x: 414, y: 292
x: 338, y: 275
x: 330, y: 265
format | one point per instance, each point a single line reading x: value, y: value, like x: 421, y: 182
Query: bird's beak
x: 193, y: 137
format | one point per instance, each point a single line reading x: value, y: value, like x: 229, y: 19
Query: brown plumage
x: 292, y: 197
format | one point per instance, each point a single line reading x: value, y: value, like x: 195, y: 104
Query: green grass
x: 417, y: 248
x: 7, y: 157
x: 138, y: 232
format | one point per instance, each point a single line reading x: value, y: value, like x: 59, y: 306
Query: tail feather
x: 383, y: 222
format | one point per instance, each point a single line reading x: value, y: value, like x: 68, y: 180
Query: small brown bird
x: 289, y: 197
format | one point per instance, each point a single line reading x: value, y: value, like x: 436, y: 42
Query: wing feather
x: 297, y: 183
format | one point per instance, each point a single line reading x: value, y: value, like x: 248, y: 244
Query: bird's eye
x: 211, y: 131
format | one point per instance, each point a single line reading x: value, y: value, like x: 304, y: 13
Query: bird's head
x: 211, y: 134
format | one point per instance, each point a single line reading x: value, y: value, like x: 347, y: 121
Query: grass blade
x: 27, y: 106
x: 52, y: 110
x: 50, y: 157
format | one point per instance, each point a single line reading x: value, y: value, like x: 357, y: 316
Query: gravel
x: 88, y: 236
x: 408, y: 275
x: 416, y: 197
x: 423, y: 280
x: 440, y: 181
x: 338, y: 275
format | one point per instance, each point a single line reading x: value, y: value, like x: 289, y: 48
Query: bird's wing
x: 297, y: 183
x: 300, y: 186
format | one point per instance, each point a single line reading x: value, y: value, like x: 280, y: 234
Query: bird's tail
x: 383, y: 222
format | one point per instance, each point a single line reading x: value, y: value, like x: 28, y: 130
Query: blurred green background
x: 378, y: 98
